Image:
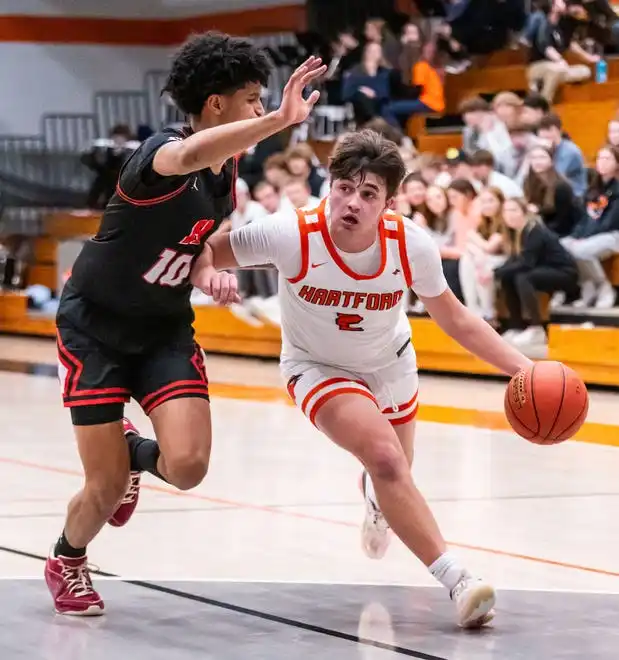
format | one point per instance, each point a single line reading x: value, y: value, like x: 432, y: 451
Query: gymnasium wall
x: 56, y: 53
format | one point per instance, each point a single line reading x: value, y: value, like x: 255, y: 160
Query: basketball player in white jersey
x: 347, y: 356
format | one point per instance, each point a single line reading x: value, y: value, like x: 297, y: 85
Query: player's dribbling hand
x: 294, y: 108
x: 223, y: 287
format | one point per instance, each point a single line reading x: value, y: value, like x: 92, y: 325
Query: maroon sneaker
x: 126, y: 508
x: 69, y: 583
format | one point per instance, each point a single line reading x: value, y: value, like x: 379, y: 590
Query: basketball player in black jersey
x: 125, y: 319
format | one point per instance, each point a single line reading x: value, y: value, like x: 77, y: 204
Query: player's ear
x: 214, y: 104
x: 391, y: 205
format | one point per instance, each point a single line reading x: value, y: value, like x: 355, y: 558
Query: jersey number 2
x: 171, y: 269
x: 349, y: 322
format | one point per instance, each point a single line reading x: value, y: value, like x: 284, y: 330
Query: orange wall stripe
x: 146, y: 32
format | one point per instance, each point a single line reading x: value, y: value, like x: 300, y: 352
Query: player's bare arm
x: 212, y: 146
x: 474, y: 334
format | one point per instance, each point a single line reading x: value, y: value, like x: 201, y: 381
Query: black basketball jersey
x: 152, y: 231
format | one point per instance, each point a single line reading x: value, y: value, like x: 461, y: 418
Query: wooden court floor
x: 281, y: 505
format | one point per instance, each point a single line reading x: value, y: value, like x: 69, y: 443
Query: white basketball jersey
x: 335, y: 316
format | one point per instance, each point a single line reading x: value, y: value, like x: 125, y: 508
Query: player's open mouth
x: 350, y: 219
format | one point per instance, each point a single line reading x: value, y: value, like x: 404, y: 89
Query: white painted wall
x: 48, y: 78
x: 133, y: 8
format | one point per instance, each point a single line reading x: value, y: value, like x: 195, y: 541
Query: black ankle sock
x: 144, y: 455
x: 64, y: 549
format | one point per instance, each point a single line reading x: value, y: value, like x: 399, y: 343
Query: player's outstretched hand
x: 294, y: 108
x: 221, y: 285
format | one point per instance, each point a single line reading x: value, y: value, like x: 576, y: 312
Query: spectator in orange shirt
x: 426, y: 85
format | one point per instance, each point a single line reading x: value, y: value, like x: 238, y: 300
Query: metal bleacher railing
x: 43, y: 172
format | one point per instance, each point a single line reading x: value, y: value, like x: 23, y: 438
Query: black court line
x: 238, y: 609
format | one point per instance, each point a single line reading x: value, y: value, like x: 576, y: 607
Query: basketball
x: 547, y: 403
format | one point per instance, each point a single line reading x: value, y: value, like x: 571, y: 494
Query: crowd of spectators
x: 515, y: 212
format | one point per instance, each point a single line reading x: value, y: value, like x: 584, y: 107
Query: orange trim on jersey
x: 400, y: 236
x: 332, y: 249
x: 304, y: 231
x: 327, y: 383
x: 154, y: 200
x: 331, y: 395
x: 404, y: 420
x: 404, y: 406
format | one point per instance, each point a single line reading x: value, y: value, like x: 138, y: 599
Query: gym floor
x: 263, y: 560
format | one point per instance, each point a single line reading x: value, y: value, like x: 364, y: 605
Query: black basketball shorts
x: 98, y: 379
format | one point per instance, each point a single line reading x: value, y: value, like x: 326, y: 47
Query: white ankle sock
x: 447, y: 570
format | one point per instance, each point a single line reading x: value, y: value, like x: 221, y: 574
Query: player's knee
x: 106, y: 494
x: 386, y: 461
x: 186, y: 472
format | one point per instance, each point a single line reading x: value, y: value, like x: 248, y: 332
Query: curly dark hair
x: 213, y: 63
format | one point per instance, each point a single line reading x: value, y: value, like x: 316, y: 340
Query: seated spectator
x: 485, y: 176
x: 426, y: 86
x: 536, y: 262
x: 267, y: 195
x: 257, y: 287
x: 516, y: 164
x: 534, y: 107
x: 415, y: 188
x: 548, y: 68
x: 439, y: 223
x: 482, y: 254
x: 567, y: 157
x: 405, y: 144
x: 464, y: 210
x: 433, y: 170
x: 457, y: 166
x: 302, y: 164
x: 376, y: 31
x: 367, y: 85
x: 596, y: 236
x: 105, y: 159
x: 549, y: 194
x: 251, y: 163
x: 507, y: 107
x: 298, y: 193
x: 483, y: 129
x: 276, y: 170
x: 613, y: 133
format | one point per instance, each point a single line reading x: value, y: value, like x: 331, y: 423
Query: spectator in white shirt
x: 298, y: 193
x: 246, y: 209
x: 267, y: 195
x: 482, y: 166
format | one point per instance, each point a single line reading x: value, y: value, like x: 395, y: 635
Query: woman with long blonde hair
x: 536, y: 262
x: 484, y: 251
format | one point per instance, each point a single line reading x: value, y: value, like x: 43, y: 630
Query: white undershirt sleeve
x: 272, y: 240
x: 425, y: 262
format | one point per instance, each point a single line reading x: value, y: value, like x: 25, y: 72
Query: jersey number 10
x: 171, y: 269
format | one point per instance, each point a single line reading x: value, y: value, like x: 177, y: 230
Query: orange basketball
x: 547, y: 403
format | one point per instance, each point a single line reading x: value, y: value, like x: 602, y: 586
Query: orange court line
x: 303, y: 516
x: 591, y: 432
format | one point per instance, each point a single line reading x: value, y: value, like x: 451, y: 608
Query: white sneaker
x: 474, y: 601
x: 557, y: 300
x: 534, y: 334
x: 375, y: 532
x: 607, y: 296
x: 588, y: 294
x: 510, y: 335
